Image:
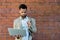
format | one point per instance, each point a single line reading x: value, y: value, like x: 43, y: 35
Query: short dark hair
x: 23, y: 6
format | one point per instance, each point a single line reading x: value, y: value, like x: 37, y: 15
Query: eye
x: 22, y: 12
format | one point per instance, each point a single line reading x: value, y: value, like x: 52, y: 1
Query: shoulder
x: 32, y: 19
x: 17, y: 19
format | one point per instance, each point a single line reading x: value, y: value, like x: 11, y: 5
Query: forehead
x: 22, y: 9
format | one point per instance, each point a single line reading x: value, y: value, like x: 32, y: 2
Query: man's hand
x: 18, y: 36
x: 29, y: 24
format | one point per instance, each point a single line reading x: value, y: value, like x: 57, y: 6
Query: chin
x: 24, y: 16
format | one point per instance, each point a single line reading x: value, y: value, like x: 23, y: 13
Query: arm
x: 14, y: 24
x: 15, y: 27
x: 33, y: 26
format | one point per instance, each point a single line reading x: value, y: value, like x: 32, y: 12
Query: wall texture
x: 46, y: 13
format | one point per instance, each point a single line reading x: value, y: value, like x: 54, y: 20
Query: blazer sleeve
x: 33, y: 26
x: 14, y: 24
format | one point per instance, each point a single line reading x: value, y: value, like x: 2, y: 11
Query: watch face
x: 18, y: 37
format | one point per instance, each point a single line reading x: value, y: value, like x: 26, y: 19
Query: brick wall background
x: 46, y: 13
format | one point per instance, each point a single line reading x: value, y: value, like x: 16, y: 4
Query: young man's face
x: 23, y: 12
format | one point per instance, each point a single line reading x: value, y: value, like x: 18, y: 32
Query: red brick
x: 10, y: 0
x: 1, y: 38
x: 52, y: 0
x: 30, y: 0
x: 10, y: 38
x: 2, y: 0
x: 15, y: 0
x: 21, y: 1
x: 58, y: 1
x: 2, y: 6
x: 35, y: 1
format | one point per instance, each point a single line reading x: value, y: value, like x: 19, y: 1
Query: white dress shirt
x: 25, y: 27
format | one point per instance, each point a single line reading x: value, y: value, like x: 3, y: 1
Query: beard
x: 23, y: 16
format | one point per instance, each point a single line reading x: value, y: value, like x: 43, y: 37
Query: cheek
x: 19, y: 11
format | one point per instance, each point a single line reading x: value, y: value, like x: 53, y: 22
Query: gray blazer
x: 32, y: 29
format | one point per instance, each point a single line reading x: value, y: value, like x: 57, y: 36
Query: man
x: 24, y: 22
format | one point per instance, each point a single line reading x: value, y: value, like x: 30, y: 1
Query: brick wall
x: 46, y: 13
